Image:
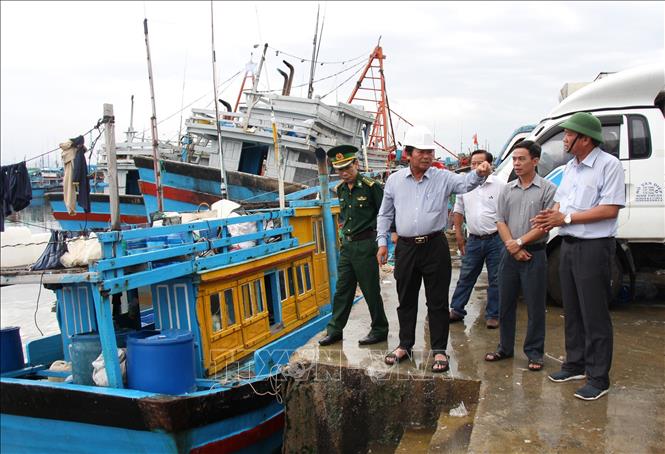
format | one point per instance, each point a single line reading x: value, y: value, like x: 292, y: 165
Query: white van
x: 630, y: 106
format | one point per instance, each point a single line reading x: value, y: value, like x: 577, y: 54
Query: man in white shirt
x: 483, y: 245
x: 591, y: 193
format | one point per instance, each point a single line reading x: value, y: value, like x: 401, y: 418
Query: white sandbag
x: 99, y: 368
x: 82, y: 251
x: 243, y: 228
x: 224, y: 208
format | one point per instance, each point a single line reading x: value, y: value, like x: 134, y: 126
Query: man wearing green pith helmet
x: 359, y: 201
x: 591, y: 193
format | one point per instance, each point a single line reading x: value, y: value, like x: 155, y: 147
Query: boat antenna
x: 310, y: 90
x: 153, y: 125
x: 222, y: 186
x: 182, y: 98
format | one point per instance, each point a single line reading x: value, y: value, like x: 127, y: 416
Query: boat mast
x: 153, y: 125
x: 254, y: 98
x: 130, y: 132
x: 114, y: 201
x: 310, y: 90
x: 222, y: 185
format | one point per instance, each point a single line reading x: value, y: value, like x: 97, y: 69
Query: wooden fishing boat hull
x: 186, y: 186
x: 132, y: 211
x: 42, y: 418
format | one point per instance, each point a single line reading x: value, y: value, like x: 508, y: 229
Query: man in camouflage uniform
x: 359, y: 200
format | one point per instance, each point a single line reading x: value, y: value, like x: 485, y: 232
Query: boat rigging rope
x: 345, y: 81
x: 307, y: 60
x: 318, y: 80
x: 99, y: 123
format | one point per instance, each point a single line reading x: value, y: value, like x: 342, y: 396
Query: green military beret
x: 342, y: 155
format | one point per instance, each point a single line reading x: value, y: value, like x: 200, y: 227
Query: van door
x: 644, y: 199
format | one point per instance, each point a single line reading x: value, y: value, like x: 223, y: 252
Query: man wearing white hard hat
x: 416, y: 198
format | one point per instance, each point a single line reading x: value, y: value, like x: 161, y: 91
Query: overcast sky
x: 458, y: 68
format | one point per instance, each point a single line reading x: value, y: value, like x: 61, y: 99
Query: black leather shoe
x: 330, y: 339
x: 372, y: 339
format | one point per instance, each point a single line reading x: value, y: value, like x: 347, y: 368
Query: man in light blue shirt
x: 588, y: 200
x: 416, y: 198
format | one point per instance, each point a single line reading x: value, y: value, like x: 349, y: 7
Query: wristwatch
x: 567, y: 219
x: 519, y: 242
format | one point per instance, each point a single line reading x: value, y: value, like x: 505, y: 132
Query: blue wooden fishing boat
x: 44, y: 180
x: 132, y: 211
x: 186, y: 186
x: 244, y: 311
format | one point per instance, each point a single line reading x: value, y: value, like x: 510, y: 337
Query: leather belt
x: 573, y: 239
x: 420, y: 239
x: 483, y: 237
x: 364, y: 235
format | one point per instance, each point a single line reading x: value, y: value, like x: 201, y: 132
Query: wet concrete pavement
x: 519, y: 410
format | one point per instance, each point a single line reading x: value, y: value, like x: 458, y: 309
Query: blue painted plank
x: 150, y: 256
x: 23, y: 434
x: 235, y: 257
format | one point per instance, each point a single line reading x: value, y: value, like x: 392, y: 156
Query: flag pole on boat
x: 222, y: 186
x: 153, y: 125
x: 365, y: 147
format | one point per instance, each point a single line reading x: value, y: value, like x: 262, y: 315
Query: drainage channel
x: 338, y: 408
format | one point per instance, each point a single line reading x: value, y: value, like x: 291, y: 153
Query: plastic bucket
x: 161, y: 362
x: 11, y: 349
x: 84, y: 349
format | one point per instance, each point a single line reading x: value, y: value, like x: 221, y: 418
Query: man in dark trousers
x: 484, y: 245
x: 523, y: 259
x: 591, y: 193
x: 416, y: 198
x: 359, y: 201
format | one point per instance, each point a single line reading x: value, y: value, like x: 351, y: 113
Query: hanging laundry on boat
x: 81, y: 174
x: 15, y: 190
x: 50, y: 258
x: 73, y: 159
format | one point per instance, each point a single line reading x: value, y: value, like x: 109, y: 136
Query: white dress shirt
x: 479, y: 206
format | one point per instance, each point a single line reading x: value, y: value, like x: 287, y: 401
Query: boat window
x: 247, y: 301
x: 259, y: 295
x: 639, y: 137
x: 292, y: 289
x: 215, y: 312
x: 230, y: 309
x: 308, y: 278
x: 282, y: 285
x: 301, y: 287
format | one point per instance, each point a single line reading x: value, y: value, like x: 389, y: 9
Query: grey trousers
x: 585, y: 287
x: 531, y: 278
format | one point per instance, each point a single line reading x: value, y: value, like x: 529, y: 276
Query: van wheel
x: 554, y: 280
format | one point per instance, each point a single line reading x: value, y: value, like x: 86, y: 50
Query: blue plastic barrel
x: 11, y: 350
x: 84, y: 349
x: 161, y: 362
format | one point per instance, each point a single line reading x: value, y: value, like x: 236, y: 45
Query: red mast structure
x: 372, y: 81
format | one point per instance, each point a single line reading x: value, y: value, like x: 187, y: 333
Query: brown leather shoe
x: 492, y: 323
x: 455, y: 317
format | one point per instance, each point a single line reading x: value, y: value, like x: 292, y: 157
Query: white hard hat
x: 419, y: 137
